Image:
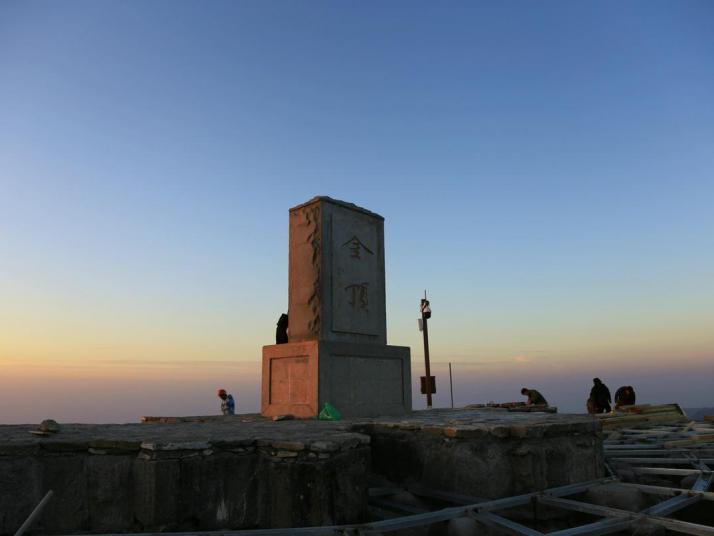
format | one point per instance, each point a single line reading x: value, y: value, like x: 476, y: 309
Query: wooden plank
x: 456, y: 498
x: 604, y: 526
x: 385, y: 503
x: 672, y: 492
x: 506, y: 525
x: 656, y: 452
x: 672, y: 505
x: 656, y: 461
x: 417, y: 520
x: 682, y: 526
x: 705, y: 438
x: 585, y: 507
x: 664, y: 471
x: 36, y: 511
x: 610, y: 446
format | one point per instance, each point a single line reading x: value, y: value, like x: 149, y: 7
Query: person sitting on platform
x: 534, y: 397
x: 228, y: 405
x: 624, y: 396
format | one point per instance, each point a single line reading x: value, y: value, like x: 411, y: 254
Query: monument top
x: 344, y: 204
x: 336, y: 281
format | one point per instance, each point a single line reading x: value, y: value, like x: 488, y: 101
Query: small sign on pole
x: 432, y: 385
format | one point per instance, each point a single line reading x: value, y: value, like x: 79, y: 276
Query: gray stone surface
x: 245, y: 471
x: 365, y: 380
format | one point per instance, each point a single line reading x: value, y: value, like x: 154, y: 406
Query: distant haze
x: 123, y: 392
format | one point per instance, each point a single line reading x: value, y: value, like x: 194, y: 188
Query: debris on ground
x: 46, y: 428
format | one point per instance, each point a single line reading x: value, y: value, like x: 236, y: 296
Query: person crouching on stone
x: 228, y: 405
x: 534, y: 397
x: 624, y: 396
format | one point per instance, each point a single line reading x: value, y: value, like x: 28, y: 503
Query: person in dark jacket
x: 624, y: 396
x: 600, y: 395
x: 534, y: 397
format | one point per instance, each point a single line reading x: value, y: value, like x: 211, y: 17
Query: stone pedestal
x: 364, y: 380
x: 337, y: 350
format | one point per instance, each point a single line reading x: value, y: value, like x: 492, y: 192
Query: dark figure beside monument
x: 281, y: 333
x: 534, y: 397
x: 625, y: 396
x: 600, y: 399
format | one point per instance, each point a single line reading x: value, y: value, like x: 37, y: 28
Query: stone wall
x: 486, y: 454
x: 116, y: 486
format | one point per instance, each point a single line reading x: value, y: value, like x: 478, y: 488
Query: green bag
x: 329, y: 413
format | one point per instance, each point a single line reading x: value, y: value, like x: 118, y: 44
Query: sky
x: 545, y: 170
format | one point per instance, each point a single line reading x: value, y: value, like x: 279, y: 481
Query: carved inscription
x: 356, y: 246
x: 357, y: 274
x: 359, y: 298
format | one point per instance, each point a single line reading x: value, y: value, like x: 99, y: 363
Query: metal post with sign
x: 428, y: 383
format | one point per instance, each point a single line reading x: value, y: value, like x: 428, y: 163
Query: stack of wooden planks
x: 643, y: 415
x: 516, y: 406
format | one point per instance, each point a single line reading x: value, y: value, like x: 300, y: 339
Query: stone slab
x: 360, y: 380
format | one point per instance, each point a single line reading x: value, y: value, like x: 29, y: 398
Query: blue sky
x: 545, y: 171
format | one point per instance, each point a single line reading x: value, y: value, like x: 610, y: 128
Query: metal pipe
x: 451, y: 387
x: 34, y: 514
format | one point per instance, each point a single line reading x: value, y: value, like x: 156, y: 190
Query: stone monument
x: 337, y: 348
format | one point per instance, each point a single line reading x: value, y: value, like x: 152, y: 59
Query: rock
x: 184, y: 445
x: 408, y: 498
x: 49, y: 425
x: 462, y: 526
x: 324, y: 446
x: 288, y: 445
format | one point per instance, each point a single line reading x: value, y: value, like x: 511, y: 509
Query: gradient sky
x: 546, y: 171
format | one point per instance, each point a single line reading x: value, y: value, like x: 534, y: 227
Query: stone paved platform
x: 254, y: 429
x: 246, y: 471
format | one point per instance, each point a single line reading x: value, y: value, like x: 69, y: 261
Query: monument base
x: 360, y: 380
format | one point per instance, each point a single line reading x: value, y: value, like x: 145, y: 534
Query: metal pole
x: 426, y: 358
x: 35, y: 513
x: 451, y: 386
